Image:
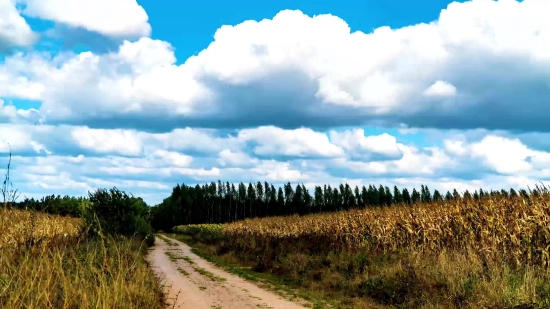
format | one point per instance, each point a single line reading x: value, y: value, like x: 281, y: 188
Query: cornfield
x: 516, y: 229
x: 18, y: 227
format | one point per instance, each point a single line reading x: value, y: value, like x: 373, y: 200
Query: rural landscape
x: 274, y: 154
x: 340, y: 248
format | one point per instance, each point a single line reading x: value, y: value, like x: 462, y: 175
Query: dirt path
x: 198, y: 284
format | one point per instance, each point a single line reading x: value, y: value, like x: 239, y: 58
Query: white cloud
x: 455, y: 147
x: 14, y: 30
x: 274, y: 171
x: 509, y: 156
x: 174, y: 158
x: 14, y: 140
x: 320, y: 72
x: 123, y: 142
x: 299, y: 142
x: 413, y: 162
x: 117, y: 18
x: 356, y: 142
x: 286, y: 81
x: 235, y: 159
x: 440, y: 89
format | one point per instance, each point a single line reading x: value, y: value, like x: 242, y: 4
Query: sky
x: 145, y: 95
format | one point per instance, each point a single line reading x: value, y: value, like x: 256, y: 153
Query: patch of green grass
x: 183, y: 271
x: 172, y: 257
x: 188, y: 260
x: 208, y: 274
x: 167, y: 240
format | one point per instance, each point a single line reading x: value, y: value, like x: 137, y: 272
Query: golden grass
x: 43, y: 268
x: 19, y: 227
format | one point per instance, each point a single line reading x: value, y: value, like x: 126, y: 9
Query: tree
x: 113, y: 212
x: 388, y: 199
x: 456, y: 195
x: 415, y: 196
x: 437, y: 196
x: 425, y: 194
x: 406, y: 196
x: 319, y: 198
x: 397, y: 196
x: 381, y: 195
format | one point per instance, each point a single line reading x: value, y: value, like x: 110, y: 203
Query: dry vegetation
x: 18, y: 227
x: 487, y: 253
x: 47, y: 262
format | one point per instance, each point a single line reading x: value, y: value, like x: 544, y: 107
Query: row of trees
x: 224, y: 202
x: 52, y: 204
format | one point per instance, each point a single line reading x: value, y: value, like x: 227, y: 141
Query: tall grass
x: 49, y: 261
x: 71, y: 271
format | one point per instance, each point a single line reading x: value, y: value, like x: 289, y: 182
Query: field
x: 491, y: 252
x: 47, y: 261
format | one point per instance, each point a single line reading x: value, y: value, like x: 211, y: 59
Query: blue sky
x: 450, y: 95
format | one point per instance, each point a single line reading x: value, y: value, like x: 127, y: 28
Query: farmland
x: 49, y: 261
x: 464, y: 252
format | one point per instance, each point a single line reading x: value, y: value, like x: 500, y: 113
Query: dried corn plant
x: 514, y: 228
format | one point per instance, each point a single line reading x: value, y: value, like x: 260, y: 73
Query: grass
x: 183, y: 271
x: 209, y: 275
x: 265, y: 280
x: 187, y: 259
x: 167, y: 240
x: 46, y: 262
x: 466, y: 253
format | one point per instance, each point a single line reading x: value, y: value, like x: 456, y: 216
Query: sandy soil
x: 189, y: 286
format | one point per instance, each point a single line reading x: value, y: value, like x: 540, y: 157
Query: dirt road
x: 194, y: 283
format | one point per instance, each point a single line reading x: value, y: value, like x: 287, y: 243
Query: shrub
x: 113, y: 212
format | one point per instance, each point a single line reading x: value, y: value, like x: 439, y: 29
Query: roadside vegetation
x: 462, y: 252
x: 91, y: 257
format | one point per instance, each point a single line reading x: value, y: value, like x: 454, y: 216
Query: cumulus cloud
x: 321, y: 74
x: 157, y: 169
x: 235, y: 159
x: 358, y: 145
x: 272, y: 141
x: 14, y: 29
x: 101, y: 16
x: 440, y: 89
x: 266, y: 100
x: 174, y: 158
x: 123, y: 142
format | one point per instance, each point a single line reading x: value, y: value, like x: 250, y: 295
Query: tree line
x: 224, y: 202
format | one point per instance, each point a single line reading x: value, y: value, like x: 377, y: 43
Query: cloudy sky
x: 143, y: 95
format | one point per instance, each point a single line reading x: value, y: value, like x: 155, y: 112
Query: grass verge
x: 45, y: 262
x: 265, y: 280
x: 79, y: 274
x: 405, y: 279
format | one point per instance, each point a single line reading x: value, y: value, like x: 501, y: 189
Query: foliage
x: 56, y: 205
x: 113, y: 212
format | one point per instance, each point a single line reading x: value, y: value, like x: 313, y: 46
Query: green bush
x: 113, y: 212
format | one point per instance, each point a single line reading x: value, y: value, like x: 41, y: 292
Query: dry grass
x: 18, y: 227
x: 40, y: 267
x: 488, y: 253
